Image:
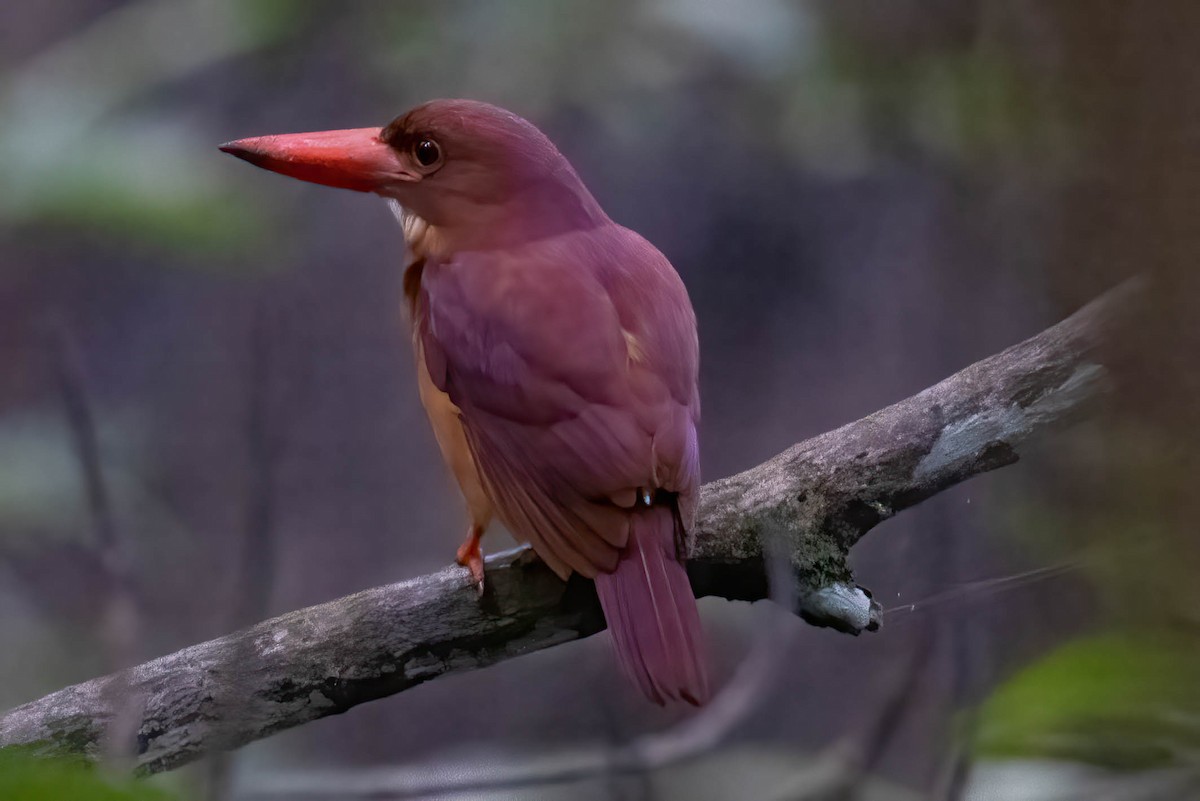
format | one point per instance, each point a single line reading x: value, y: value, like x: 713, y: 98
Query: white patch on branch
x: 964, y: 441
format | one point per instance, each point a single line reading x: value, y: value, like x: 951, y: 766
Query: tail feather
x: 652, y: 612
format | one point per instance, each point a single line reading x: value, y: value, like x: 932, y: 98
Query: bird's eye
x: 427, y: 152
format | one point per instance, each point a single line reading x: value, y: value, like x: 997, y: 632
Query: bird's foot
x: 470, y: 556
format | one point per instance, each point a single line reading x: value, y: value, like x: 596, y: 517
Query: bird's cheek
x: 421, y: 199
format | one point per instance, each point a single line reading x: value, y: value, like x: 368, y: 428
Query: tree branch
x: 810, y: 503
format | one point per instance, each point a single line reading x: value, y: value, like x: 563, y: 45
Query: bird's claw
x: 470, y: 556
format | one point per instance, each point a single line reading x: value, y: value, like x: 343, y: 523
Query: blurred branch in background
x: 825, y: 493
x: 257, y: 562
x: 121, y: 621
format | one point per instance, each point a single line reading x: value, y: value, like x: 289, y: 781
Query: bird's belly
x: 452, y: 440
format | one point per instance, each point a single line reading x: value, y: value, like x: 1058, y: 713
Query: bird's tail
x: 652, y: 614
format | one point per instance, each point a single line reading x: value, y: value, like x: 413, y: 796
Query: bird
x: 557, y: 359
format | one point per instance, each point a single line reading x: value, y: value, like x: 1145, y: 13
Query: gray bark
x: 809, y: 504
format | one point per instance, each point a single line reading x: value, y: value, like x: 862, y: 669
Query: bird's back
x: 574, y: 363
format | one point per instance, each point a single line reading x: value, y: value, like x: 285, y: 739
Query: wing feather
x: 566, y: 419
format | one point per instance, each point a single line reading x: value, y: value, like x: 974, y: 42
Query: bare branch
x: 819, y: 497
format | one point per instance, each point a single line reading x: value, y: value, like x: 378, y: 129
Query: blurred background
x: 208, y: 413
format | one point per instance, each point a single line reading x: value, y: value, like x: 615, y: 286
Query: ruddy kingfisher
x: 557, y: 359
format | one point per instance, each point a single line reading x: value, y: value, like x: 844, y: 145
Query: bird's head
x: 480, y: 175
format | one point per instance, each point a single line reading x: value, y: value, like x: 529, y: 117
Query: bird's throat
x: 422, y: 239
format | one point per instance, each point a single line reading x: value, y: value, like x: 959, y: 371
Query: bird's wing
x: 573, y: 361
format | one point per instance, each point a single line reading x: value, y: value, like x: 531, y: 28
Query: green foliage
x: 1127, y: 701
x: 968, y: 105
x: 83, y: 150
x: 25, y: 777
x: 40, y: 486
x: 200, y: 223
x: 1140, y: 560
